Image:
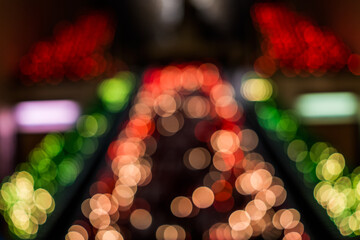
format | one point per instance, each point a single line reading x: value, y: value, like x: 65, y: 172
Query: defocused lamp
x: 335, y: 107
x: 46, y: 116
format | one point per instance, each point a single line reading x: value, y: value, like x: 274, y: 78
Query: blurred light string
x: 27, y: 196
x: 166, y: 96
x: 323, y: 167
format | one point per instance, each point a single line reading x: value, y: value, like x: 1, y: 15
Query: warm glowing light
x: 124, y: 194
x: 168, y: 126
x: 223, y: 161
x: 289, y: 218
x: 181, y: 207
x: 299, y: 228
x: 203, y: 197
x: 239, y: 220
x: 197, y: 158
x: 165, y: 105
x: 248, y: 140
x: 243, y: 184
x: 280, y: 194
x: 225, y: 141
x: 267, y: 197
x: 211, y: 75
x: 222, y: 190
x: 100, y: 201
x: 74, y: 236
x: 196, y: 107
x: 140, y: 219
x: 99, y: 218
x: 170, y: 78
x: 158, y: 108
x: 256, y: 209
x: 260, y: 179
x: 220, y: 91
x: 191, y: 78
x: 170, y: 232
x: 130, y: 174
x: 109, y: 233
x: 77, y: 232
x: 292, y: 236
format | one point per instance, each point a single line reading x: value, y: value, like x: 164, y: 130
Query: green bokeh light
x: 53, y: 144
x: 115, y: 92
x: 68, y: 171
x: 320, y: 164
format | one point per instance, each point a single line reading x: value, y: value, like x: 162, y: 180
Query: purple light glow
x: 46, y: 116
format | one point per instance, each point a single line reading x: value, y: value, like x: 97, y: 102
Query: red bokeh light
x: 295, y: 43
x: 76, y: 51
x: 354, y: 64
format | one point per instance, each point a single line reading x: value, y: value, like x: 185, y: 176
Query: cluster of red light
x: 295, y: 44
x: 76, y: 51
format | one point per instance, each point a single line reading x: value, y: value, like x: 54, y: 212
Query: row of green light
x: 319, y: 162
x: 27, y: 197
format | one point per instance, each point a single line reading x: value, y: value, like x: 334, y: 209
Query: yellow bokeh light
x: 43, y: 199
x: 257, y: 89
x: 336, y: 205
